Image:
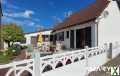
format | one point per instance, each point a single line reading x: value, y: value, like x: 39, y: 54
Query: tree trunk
x: 12, y: 43
x: 9, y: 44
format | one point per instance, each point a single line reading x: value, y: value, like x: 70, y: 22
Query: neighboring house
x: 94, y: 25
x: 32, y: 38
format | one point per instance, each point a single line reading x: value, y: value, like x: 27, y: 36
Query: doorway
x: 83, y: 38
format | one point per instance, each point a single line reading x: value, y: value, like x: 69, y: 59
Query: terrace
x: 63, y: 64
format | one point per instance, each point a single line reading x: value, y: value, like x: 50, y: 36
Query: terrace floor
x: 77, y: 68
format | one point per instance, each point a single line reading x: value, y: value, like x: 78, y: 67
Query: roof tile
x: 84, y: 15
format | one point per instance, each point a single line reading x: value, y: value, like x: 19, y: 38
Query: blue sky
x: 33, y: 14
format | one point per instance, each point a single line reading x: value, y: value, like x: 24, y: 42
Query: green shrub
x: 15, y: 49
x: 5, y: 57
x: 24, y: 47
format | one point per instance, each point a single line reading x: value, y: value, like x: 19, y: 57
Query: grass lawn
x: 113, y: 62
x: 5, y: 59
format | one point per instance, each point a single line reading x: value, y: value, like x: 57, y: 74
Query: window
x: 55, y: 37
x: 67, y: 34
x: 45, y: 38
x: 61, y: 36
x: 51, y: 37
x: 34, y: 40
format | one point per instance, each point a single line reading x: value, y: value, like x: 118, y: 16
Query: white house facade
x: 108, y: 27
x: 95, y: 25
x: 73, y: 41
x: 31, y: 39
x: 33, y: 36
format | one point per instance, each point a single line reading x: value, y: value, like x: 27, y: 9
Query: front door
x: 80, y: 38
x: 83, y: 37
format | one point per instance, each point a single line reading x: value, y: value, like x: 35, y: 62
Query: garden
x: 10, y: 34
x: 11, y: 53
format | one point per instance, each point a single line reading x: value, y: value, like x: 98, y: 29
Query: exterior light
x: 105, y: 14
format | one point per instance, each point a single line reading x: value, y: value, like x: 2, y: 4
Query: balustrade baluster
x: 14, y: 68
x: 86, y: 58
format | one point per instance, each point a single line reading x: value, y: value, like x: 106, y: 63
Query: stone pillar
x: 94, y: 35
x: 109, y: 52
x: 37, y: 65
x: 75, y: 38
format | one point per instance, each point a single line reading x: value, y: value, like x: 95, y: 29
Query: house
x: 94, y: 25
x: 31, y: 38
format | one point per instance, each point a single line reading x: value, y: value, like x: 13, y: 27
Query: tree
x: 12, y: 33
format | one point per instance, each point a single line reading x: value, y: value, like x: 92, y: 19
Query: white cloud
x: 25, y: 14
x: 29, y: 23
x: 9, y: 20
x: 39, y: 27
x: 56, y: 19
x: 13, y: 6
x: 12, y: 15
x: 9, y: 5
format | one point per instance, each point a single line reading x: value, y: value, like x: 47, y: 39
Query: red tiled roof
x: 85, y: 15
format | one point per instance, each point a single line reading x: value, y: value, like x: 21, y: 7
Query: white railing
x: 51, y: 62
x: 20, y: 66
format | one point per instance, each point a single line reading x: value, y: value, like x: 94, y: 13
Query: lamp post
x: 1, y: 15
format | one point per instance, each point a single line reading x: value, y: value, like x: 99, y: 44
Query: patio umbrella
x: 40, y: 39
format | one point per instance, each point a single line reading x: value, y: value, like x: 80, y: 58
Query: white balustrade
x: 52, y: 62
